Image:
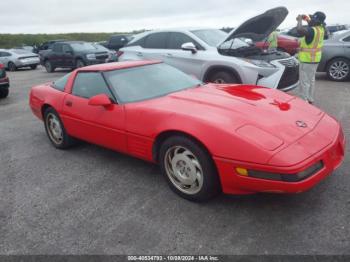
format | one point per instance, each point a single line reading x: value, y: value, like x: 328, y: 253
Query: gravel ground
x: 90, y: 200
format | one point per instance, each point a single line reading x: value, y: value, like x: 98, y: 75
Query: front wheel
x: 33, y: 67
x: 56, y: 131
x: 4, y: 92
x: 338, y: 69
x: 223, y: 77
x: 189, y: 169
x: 80, y: 63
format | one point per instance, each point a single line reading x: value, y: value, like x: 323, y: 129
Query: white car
x: 215, y: 56
x: 18, y: 58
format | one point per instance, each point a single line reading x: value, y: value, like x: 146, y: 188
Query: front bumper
x: 95, y: 62
x: 286, y: 77
x: 232, y: 183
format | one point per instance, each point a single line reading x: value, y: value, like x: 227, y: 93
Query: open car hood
x: 259, y: 27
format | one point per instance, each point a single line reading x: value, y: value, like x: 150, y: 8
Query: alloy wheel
x: 339, y: 70
x: 184, y: 170
x: 54, y: 128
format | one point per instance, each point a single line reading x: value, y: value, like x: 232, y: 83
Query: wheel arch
x: 217, y: 68
x: 163, y: 136
x: 334, y: 58
x: 44, y: 107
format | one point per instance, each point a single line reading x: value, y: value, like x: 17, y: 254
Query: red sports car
x: 286, y: 43
x: 207, y: 138
x: 4, y: 82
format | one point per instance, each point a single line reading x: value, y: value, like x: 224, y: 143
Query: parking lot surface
x: 90, y: 200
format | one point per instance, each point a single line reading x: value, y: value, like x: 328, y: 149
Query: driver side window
x: 176, y: 40
x: 87, y: 85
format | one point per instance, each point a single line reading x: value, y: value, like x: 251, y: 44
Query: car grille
x: 101, y: 56
x: 291, y: 73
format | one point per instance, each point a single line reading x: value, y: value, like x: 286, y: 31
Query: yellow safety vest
x: 273, y: 40
x: 312, y: 53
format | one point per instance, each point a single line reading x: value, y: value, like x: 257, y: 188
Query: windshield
x: 82, y: 46
x: 147, y: 82
x: 212, y: 37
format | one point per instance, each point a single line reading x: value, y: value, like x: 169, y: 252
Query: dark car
x: 73, y: 54
x: 48, y: 45
x: 335, y: 28
x: 4, y: 82
x: 117, y: 41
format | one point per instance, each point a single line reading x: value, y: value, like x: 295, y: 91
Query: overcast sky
x: 62, y: 16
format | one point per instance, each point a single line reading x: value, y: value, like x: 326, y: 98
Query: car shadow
x: 152, y: 174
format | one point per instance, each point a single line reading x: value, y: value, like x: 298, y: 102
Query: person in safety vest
x: 310, y: 51
x: 273, y: 40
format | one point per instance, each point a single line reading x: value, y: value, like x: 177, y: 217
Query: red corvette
x: 286, y: 43
x: 207, y: 138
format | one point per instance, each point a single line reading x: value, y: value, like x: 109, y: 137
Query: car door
x: 154, y: 46
x: 56, y: 57
x: 346, y: 45
x: 95, y: 124
x: 187, y: 61
x: 68, y: 57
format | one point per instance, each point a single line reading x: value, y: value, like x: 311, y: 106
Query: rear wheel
x: 4, y: 92
x: 338, y: 69
x: 56, y: 131
x: 12, y: 67
x: 189, y: 169
x: 223, y: 77
x: 49, y: 67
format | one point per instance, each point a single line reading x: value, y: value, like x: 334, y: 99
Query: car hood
x: 249, y: 109
x: 259, y: 27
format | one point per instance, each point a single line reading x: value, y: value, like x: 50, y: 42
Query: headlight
x: 281, y: 177
x: 259, y: 63
x: 91, y: 56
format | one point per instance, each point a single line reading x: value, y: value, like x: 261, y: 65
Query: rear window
x: 61, y: 83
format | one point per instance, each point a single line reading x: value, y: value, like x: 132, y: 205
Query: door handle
x: 69, y: 103
x: 169, y: 55
x: 139, y: 54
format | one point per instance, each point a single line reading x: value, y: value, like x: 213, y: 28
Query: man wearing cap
x: 310, y: 52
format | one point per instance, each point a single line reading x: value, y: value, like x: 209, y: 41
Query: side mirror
x: 100, y: 100
x: 189, y: 47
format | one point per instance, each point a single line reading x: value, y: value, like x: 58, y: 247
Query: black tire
x: 79, y: 63
x: 223, y: 77
x: 338, y: 69
x: 12, y: 67
x: 33, y: 67
x: 67, y: 141
x: 4, y: 92
x: 49, y: 67
x: 210, y: 186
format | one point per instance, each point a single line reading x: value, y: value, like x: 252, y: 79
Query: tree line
x: 16, y: 40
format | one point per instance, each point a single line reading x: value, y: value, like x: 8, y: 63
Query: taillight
x: 120, y: 53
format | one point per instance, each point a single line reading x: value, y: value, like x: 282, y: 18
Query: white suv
x: 215, y: 56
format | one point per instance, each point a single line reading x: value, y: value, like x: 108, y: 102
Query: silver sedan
x: 336, y: 56
x: 18, y: 58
